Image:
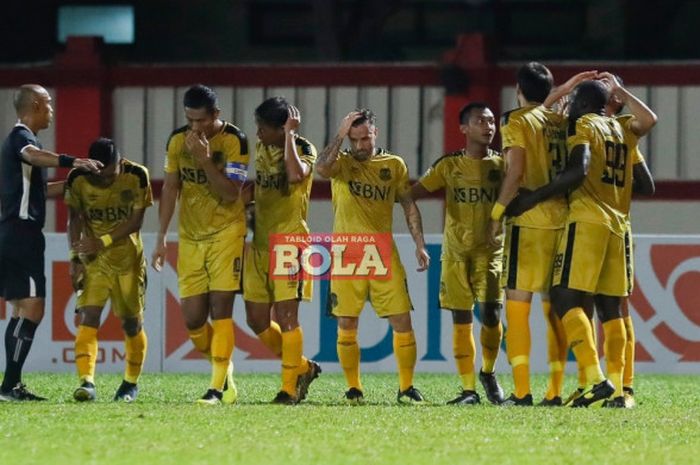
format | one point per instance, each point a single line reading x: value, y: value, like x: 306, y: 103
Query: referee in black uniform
x: 23, y: 193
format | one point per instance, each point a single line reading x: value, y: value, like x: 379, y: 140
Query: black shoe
x: 305, y: 380
x: 513, y: 401
x: 410, y: 396
x: 553, y: 402
x: 284, y: 398
x: 127, y: 392
x: 354, y: 396
x: 615, y: 402
x: 600, y: 391
x: 86, y: 392
x: 466, y: 398
x: 493, y: 390
x: 19, y: 393
x: 211, y: 397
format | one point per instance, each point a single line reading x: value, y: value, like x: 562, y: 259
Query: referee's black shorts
x: 22, y: 247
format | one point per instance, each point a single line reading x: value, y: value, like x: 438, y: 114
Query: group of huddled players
x: 549, y: 216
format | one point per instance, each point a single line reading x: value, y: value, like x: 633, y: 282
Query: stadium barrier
x: 663, y: 306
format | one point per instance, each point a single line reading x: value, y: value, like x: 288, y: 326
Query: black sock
x: 18, y: 341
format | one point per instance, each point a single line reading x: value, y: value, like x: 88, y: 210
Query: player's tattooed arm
x: 415, y: 227
x: 326, y: 160
x: 644, y: 117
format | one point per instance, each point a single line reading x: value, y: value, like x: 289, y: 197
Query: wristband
x: 106, y: 240
x: 65, y: 161
x: 497, y: 212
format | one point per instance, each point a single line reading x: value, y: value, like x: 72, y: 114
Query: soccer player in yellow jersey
x: 356, y: 177
x: 592, y: 256
x: 534, y: 151
x: 107, y: 262
x: 283, y: 163
x: 636, y: 125
x: 471, y: 267
x: 206, y: 166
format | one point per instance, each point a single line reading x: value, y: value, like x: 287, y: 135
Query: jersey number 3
x: 615, y: 163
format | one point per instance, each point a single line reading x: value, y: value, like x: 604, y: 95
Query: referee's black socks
x: 19, y: 336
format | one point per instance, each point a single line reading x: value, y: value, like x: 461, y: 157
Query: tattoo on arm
x: 413, y: 220
x: 330, y: 153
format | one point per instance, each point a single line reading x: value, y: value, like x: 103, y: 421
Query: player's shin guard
x: 201, y: 338
x: 405, y: 353
x: 464, y: 348
x: 615, y: 340
x: 349, y: 356
x: 491, y: 337
x: 222, y: 342
x: 136, y: 347
x: 272, y: 338
x: 518, y: 344
x: 557, y: 350
x: 628, y: 372
x: 580, y: 338
x: 86, y: 353
x: 292, y: 348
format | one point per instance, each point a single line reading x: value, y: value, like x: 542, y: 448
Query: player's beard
x: 361, y: 155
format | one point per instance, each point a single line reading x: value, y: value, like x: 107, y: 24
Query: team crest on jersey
x: 494, y: 175
x: 385, y: 174
x: 126, y: 196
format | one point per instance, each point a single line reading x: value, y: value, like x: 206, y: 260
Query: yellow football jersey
x: 364, y: 192
x: 542, y: 133
x: 280, y: 207
x: 105, y: 208
x: 471, y: 188
x: 203, y: 213
x: 606, y: 193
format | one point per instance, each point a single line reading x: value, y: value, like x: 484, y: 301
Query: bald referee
x: 23, y: 193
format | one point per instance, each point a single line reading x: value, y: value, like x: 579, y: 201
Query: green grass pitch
x: 164, y: 426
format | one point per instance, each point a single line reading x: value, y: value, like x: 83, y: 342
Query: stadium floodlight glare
x: 114, y: 23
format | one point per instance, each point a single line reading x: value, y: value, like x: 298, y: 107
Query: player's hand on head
x: 576, y: 79
x: 88, y: 164
x: 609, y: 80
x: 293, y: 119
x: 423, y: 259
x: 346, y: 123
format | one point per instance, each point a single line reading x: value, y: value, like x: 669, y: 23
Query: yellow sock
x: 557, y: 350
x: 580, y: 338
x: 628, y: 372
x: 272, y: 338
x: 349, y: 356
x: 292, y: 347
x: 135, y: 356
x: 464, y: 348
x: 222, y: 342
x: 615, y: 340
x: 582, y: 381
x: 491, y: 337
x: 86, y: 353
x: 201, y: 338
x: 405, y: 353
x: 518, y: 344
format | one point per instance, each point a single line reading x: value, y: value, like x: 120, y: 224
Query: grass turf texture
x: 164, y: 426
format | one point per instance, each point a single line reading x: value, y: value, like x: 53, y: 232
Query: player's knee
x: 90, y: 317
x: 462, y: 317
x: 491, y: 314
x: 257, y: 322
x: 401, y: 323
x: 131, y: 326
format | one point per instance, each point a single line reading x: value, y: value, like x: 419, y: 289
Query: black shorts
x: 22, y: 246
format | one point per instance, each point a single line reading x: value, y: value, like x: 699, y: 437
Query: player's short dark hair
x: 592, y: 95
x: 466, y: 111
x: 366, y: 116
x: 535, y: 81
x: 201, y: 96
x: 273, y: 111
x: 104, y: 151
